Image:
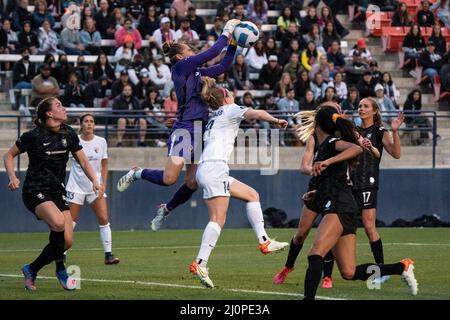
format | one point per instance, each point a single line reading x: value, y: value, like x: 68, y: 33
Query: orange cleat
x: 327, y: 283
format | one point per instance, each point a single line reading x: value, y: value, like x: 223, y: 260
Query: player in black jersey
x: 365, y: 176
x: 43, y: 193
x: 334, y: 200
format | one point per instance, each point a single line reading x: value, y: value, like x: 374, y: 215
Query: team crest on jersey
x: 369, y: 136
x: 328, y: 205
x: 96, y: 149
x: 40, y: 196
x: 64, y: 142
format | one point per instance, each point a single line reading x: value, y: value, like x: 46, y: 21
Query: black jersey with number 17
x: 48, y: 153
x: 366, y: 173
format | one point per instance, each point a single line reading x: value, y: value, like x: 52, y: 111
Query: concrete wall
x: 404, y: 193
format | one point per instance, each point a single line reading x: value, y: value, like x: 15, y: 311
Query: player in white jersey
x: 213, y: 174
x: 79, y: 188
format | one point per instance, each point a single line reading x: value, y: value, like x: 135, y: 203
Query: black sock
x: 43, y: 259
x: 57, y: 242
x: 313, y: 275
x: 108, y: 254
x: 385, y: 269
x: 328, y: 263
x: 377, y: 250
x: 294, y: 250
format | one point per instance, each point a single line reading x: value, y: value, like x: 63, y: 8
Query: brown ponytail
x: 41, y: 111
x: 171, y: 49
x: 213, y: 96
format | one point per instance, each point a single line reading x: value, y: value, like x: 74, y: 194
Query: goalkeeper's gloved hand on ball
x: 230, y: 26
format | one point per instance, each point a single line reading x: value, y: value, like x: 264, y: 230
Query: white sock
x: 137, y: 173
x: 209, y: 240
x: 255, y: 217
x: 73, y: 228
x: 105, y: 235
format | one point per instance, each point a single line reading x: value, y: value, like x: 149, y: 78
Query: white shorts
x: 213, y: 177
x: 79, y: 198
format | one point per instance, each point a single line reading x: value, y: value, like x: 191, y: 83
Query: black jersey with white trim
x: 48, y: 153
x: 366, y: 173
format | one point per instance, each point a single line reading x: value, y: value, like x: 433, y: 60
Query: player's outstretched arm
x: 8, y: 159
x: 392, y: 145
x: 263, y: 115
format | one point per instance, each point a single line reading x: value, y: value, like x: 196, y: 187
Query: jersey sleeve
x: 105, y: 150
x: 236, y: 112
x: 75, y: 144
x: 25, y: 141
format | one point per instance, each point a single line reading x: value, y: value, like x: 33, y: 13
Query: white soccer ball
x: 246, y: 34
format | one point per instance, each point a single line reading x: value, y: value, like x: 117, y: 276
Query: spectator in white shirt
x: 185, y: 32
x: 256, y: 57
x: 160, y: 75
x: 164, y: 33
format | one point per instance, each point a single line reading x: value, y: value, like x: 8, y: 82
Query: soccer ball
x: 246, y: 34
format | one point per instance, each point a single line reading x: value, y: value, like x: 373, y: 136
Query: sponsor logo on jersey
x: 369, y: 136
x: 64, y: 142
x: 46, y: 143
x: 328, y: 205
x: 55, y: 152
x: 40, y: 196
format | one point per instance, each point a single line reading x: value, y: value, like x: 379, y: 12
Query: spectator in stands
x: 327, y: 15
x: 256, y: 56
x: 197, y: 23
x: 431, y: 63
x: 376, y: 73
x: 50, y: 60
x: 148, y: 23
x: 307, y: 101
x: 40, y: 13
x: 23, y: 73
x: 268, y: 104
x: 95, y: 93
x: 125, y: 54
x: 89, y: 4
x: 329, y: 35
x: 71, y: 41
x: 186, y: 33
x: 287, y: 17
x: 412, y: 109
x: 362, y: 48
x: 120, y: 83
x: 438, y: 39
x: 386, y: 5
x: 315, y: 36
x: 401, y: 16
x: 366, y: 85
x: 160, y: 74
x: 164, y: 33
x: 118, y: 19
x: 385, y: 104
x: 322, y: 66
x: 281, y: 87
x: 225, y: 6
x: 239, y: 12
x: 62, y: 70
x: 318, y: 86
x: 8, y: 38
x: 135, y: 10
x: 308, y: 21
x: 181, y: 7
x: 310, y: 55
x: 144, y: 84
x: 28, y: 38
x: 104, y: 22
x: 442, y: 8
x: 271, y: 47
x: 352, y: 101
x: 171, y: 104
x: 355, y: 70
x: 330, y: 95
x: 127, y: 102
x: 48, y: 40
x: 389, y: 88
x: 90, y: 37
x: 270, y: 73
x: 86, y: 13
x: 340, y: 86
x: 336, y: 58
x: 291, y: 34
x: 134, y: 68
x: 128, y: 30
x: 21, y: 14
x: 222, y: 81
x: 425, y: 17
x: 43, y: 86
x: 103, y: 67
x: 84, y: 71
x: 216, y: 31
x: 445, y: 76
x: 294, y: 67
x: 294, y: 47
x: 413, y: 46
x: 154, y: 111
x: 302, y: 84
x: 239, y: 71
x: 73, y: 93
x: 257, y: 11
x: 289, y: 106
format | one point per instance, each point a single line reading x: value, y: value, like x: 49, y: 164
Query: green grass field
x: 154, y: 265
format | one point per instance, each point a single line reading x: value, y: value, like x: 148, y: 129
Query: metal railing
x: 106, y: 123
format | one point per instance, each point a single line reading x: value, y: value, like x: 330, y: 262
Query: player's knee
x: 102, y: 220
x: 253, y: 195
x: 191, y: 183
x: 170, y: 179
x: 348, y: 274
x: 58, y: 225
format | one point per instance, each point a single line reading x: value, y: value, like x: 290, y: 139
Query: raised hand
x: 397, y: 122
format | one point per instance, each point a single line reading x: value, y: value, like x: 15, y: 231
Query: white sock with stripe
x: 105, y: 235
x: 209, y: 240
x: 255, y: 217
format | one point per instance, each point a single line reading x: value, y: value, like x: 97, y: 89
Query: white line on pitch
x: 173, y: 285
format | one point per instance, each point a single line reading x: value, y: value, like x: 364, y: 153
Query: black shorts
x: 366, y: 198
x: 32, y: 200
x: 348, y: 222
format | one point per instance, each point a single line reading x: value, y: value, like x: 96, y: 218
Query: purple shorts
x: 186, y: 140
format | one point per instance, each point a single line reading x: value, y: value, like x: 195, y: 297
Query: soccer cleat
x: 327, y: 283
x: 127, y: 179
x: 29, y: 278
x: 111, y: 260
x: 408, y: 276
x: 68, y: 283
x: 381, y: 280
x: 281, y: 276
x: 201, y: 273
x: 160, y: 217
x: 271, y: 246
